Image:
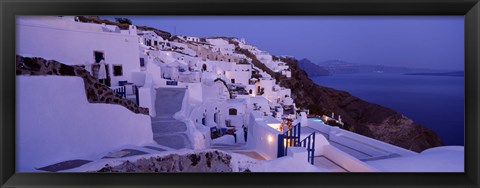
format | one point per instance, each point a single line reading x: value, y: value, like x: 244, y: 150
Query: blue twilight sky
x: 413, y: 41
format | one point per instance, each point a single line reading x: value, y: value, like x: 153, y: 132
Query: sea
x: 436, y: 102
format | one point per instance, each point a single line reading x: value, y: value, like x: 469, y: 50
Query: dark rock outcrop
x: 362, y: 117
x: 211, y: 161
x: 96, y: 91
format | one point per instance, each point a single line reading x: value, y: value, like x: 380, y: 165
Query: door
x: 97, y: 57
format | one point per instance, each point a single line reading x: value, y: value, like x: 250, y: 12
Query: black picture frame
x: 11, y: 8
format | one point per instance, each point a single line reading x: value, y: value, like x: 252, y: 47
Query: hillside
x: 359, y: 116
x: 312, y: 69
x: 362, y: 117
x: 97, y: 20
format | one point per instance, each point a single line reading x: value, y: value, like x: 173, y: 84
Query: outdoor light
x: 270, y: 139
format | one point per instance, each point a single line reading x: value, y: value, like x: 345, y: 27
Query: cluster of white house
x: 221, y: 89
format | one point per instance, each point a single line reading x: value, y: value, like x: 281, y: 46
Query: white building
x: 222, y: 46
x: 150, y: 38
x: 239, y: 73
x: 75, y: 43
x: 191, y: 39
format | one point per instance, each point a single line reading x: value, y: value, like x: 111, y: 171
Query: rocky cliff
x: 312, y: 69
x: 362, y: 117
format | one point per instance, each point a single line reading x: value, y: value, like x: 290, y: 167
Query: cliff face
x: 362, y: 117
x: 312, y: 69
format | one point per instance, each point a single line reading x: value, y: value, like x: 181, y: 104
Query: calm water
x: 436, y: 102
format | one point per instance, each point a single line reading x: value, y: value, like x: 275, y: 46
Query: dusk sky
x: 413, y: 41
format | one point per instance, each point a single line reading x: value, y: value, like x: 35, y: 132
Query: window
x: 142, y: 62
x: 117, y: 70
x: 232, y: 111
x: 233, y: 81
x: 99, y: 56
x: 250, y: 91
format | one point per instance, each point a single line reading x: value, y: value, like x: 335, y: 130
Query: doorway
x: 98, y: 56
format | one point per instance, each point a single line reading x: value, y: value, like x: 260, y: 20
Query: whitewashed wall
x: 55, y: 123
x: 262, y: 138
x: 241, y: 77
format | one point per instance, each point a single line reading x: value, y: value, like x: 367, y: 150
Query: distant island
x: 334, y: 67
x: 313, y: 69
x: 455, y: 73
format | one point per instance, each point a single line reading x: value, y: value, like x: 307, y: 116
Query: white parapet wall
x: 56, y: 123
x: 262, y: 138
x: 346, y: 161
x: 146, y: 97
x: 360, y: 142
x: 146, y: 93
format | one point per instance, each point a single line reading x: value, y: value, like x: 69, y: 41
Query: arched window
x: 204, y: 67
x: 250, y: 91
x: 232, y: 111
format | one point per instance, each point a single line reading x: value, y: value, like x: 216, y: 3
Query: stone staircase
x: 168, y: 131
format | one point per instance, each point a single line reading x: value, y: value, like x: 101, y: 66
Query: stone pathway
x: 124, y: 153
x: 168, y: 131
x: 238, y: 148
x: 326, y: 163
x: 64, y: 165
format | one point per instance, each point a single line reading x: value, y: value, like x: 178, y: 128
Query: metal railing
x: 121, y: 91
x: 291, y: 138
x: 309, y: 143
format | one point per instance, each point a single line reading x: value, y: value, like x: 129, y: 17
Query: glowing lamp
x: 270, y: 139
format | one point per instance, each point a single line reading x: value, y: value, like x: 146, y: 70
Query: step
x: 326, y: 163
x: 168, y: 127
x: 175, y: 141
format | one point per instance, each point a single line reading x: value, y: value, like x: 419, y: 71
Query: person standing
x: 102, y: 72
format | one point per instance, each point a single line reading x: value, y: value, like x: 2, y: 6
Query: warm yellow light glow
x: 270, y: 139
x: 276, y: 126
